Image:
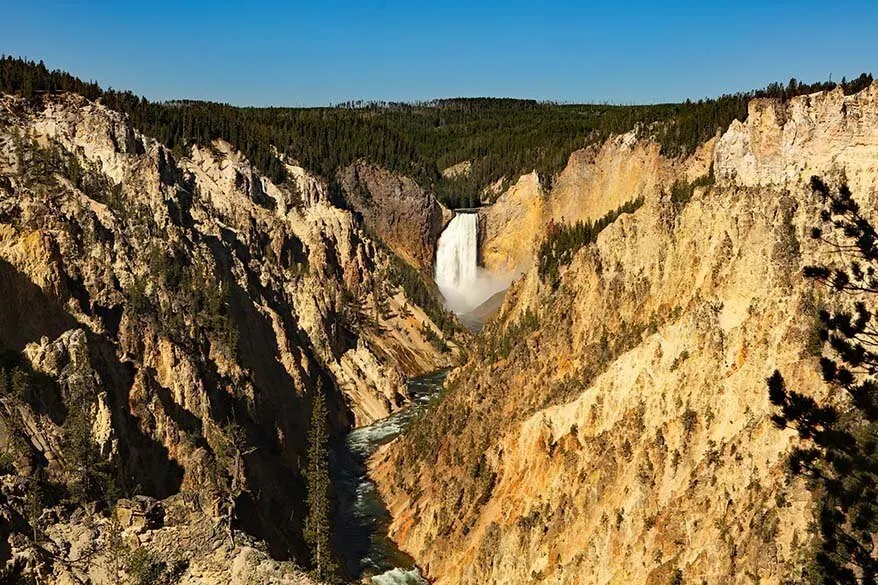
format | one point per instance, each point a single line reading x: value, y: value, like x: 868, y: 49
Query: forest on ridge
x: 501, y: 138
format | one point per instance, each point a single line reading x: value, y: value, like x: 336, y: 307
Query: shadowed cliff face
x: 211, y: 305
x: 615, y: 426
x: 28, y: 319
x: 27, y: 312
x: 396, y: 209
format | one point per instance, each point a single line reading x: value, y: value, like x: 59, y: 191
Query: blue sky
x: 326, y: 51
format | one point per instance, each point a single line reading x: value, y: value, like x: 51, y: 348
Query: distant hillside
x: 503, y: 138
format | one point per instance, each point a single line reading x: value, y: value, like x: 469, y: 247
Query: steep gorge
x: 195, y: 307
x: 610, y: 425
x: 615, y: 427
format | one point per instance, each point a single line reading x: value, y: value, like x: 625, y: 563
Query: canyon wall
x: 614, y: 427
x: 396, y: 209
x: 194, y: 308
x: 596, y: 181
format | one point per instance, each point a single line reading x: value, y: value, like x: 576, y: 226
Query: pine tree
x: 839, y: 452
x: 19, y: 384
x: 90, y: 476
x: 318, y: 530
x: 35, y: 501
x: 115, y: 547
x: 81, y: 454
x: 230, y: 452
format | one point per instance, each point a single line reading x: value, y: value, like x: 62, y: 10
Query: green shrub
x: 138, y: 300
x: 676, y: 578
x: 690, y: 419
x: 144, y: 567
x: 198, y: 298
x: 44, y: 164
x: 682, y: 191
x: 684, y: 355
x: 433, y: 338
x: 514, y: 333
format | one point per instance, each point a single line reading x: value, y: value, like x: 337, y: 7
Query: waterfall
x: 464, y: 285
x: 457, y: 254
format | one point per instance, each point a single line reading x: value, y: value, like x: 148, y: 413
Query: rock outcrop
x: 146, y: 541
x: 616, y: 427
x: 396, y: 209
x: 786, y: 143
x: 461, y: 169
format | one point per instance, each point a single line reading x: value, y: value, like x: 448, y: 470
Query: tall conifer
x: 318, y: 530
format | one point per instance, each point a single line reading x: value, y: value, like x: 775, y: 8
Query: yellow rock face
x: 782, y: 144
x: 627, y: 435
x: 508, y: 228
x: 596, y: 181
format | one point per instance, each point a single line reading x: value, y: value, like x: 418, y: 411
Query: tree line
x: 503, y: 138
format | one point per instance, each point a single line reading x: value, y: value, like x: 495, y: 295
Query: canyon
x: 497, y: 411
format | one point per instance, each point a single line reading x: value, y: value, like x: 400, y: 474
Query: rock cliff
x: 397, y: 209
x: 596, y: 180
x: 191, y: 309
x: 615, y: 425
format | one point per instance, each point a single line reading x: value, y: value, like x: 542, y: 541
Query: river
x: 361, y: 520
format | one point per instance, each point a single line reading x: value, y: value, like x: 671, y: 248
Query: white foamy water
x: 400, y: 577
x: 464, y: 285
